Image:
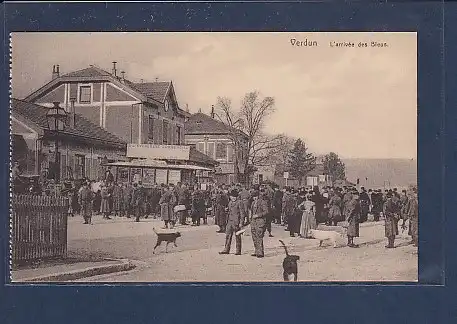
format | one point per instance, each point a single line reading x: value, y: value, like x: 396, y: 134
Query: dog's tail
x: 285, y: 247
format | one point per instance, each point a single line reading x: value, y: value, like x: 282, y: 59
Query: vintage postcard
x: 214, y: 157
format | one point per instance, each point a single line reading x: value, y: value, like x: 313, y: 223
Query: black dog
x: 289, y: 264
x: 166, y: 237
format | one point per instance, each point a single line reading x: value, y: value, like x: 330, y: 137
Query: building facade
x: 82, y: 145
x: 214, y: 138
x: 140, y: 113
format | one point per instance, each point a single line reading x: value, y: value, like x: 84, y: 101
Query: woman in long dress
x: 308, y: 220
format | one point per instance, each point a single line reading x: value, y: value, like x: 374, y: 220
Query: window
x: 230, y: 154
x: 221, y: 151
x: 178, y: 135
x: 201, y: 147
x: 210, y: 150
x: 85, y: 94
x: 165, y: 132
x: 80, y: 166
x: 151, y: 128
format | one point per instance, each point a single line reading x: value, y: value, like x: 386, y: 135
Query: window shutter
x: 87, y: 165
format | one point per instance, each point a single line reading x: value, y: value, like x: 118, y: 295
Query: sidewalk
x: 65, y: 271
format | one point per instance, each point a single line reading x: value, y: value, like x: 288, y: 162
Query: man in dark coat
x: 376, y: 199
x: 259, y: 211
x: 353, y: 212
x: 198, y: 209
x: 391, y: 218
x: 182, y: 196
x: 288, y: 206
x: 364, y: 205
x: 137, y: 200
x: 85, y: 197
x: 277, y: 205
x: 234, y: 221
x: 268, y: 197
x: 220, y: 212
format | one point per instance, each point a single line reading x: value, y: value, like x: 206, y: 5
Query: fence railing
x: 39, y: 227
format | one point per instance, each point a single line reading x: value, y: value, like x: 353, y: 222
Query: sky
x: 360, y: 102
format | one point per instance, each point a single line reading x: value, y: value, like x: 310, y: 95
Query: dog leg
x: 155, y: 247
x: 320, y: 243
x: 286, y: 276
x: 166, y: 247
x: 175, y: 244
x: 295, y: 276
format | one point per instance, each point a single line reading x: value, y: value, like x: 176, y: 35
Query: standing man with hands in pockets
x: 258, y: 223
x: 234, y: 220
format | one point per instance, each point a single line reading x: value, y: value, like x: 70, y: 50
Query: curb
x: 124, y: 265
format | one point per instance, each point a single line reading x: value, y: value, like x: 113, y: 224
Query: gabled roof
x: 155, y: 90
x: 91, y: 71
x: 36, y: 114
x: 201, y: 123
x: 197, y: 156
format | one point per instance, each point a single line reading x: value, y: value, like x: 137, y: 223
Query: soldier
x: 259, y: 211
x: 117, y: 199
x: 167, y: 202
x: 268, y: 197
x: 391, y: 218
x: 413, y: 213
x: 352, y: 214
x: 288, y: 206
x: 137, y: 200
x: 277, y: 205
x: 334, y: 213
x: 182, y: 197
x: 127, y: 197
x: 404, y: 208
x: 105, y: 195
x: 221, y: 205
x: 347, y: 197
x: 364, y: 204
x: 245, y: 197
x: 85, y: 197
x: 234, y: 219
x: 198, y: 207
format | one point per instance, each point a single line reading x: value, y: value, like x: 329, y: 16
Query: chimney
x: 212, y: 111
x: 123, y: 76
x: 157, y: 79
x: 55, y: 72
x: 114, y: 71
x: 72, y: 113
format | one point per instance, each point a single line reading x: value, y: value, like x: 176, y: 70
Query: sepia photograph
x: 213, y: 157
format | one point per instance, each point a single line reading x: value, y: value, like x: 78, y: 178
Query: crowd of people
x: 300, y: 210
x: 235, y: 206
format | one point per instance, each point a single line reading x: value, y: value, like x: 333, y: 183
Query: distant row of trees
x: 253, y: 147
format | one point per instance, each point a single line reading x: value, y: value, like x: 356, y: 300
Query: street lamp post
x: 56, y: 117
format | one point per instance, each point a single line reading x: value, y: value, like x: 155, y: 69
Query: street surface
x: 196, y: 258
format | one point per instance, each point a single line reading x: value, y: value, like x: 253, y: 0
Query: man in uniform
x: 137, y: 200
x: 85, y: 197
x: 413, y: 213
x: 391, y: 218
x: 352, y: 213
x: 259, y: 211
x: 245, y: 197
x: 277, y: 205
x: 234, y: 220
x: 221, y: 205
x: 268, y: 197
x: 364, y: 205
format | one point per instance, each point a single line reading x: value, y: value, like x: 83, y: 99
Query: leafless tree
x: 246, y: 124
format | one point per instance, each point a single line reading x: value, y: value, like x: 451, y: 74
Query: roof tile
x: 84, y: 128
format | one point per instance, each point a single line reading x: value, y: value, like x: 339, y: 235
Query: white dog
x: 331, y: 236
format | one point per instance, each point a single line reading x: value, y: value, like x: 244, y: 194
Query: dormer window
x: 85, y: 94
x: 167, y: 105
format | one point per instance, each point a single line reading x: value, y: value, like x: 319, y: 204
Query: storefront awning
x: 156, y: 164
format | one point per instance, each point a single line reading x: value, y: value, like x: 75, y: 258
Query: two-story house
x: 139, y: 113
x: 214, y: 138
